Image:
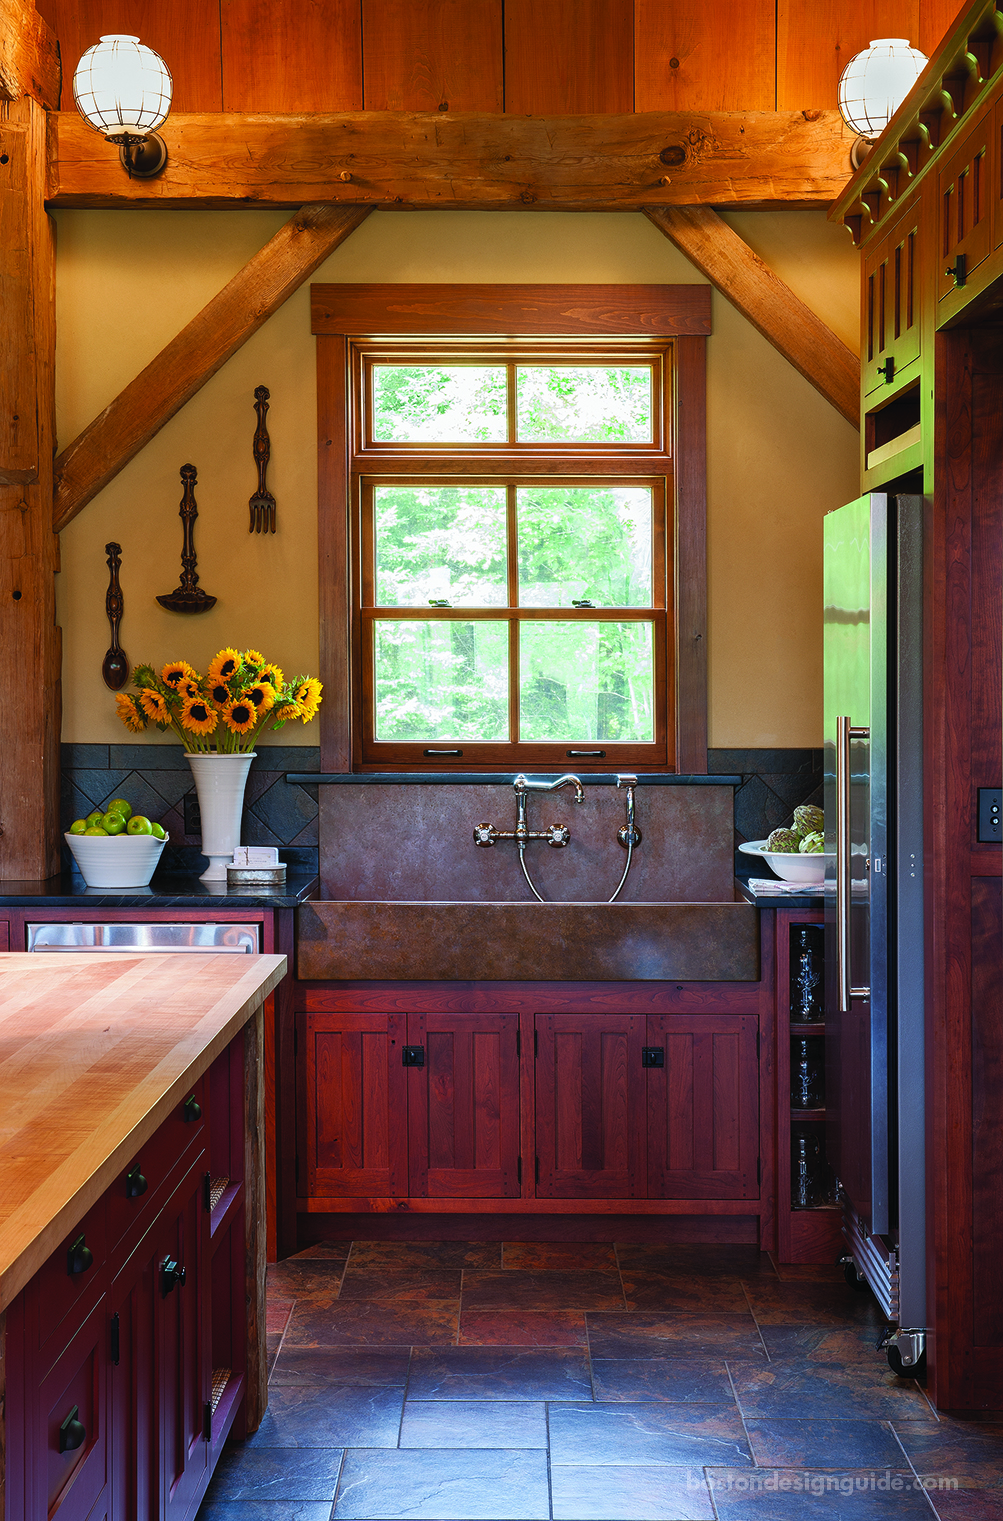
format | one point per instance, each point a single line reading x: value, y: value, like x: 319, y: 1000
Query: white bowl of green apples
x: 116, y: 848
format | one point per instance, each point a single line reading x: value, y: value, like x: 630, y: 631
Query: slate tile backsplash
x: 156, y: 779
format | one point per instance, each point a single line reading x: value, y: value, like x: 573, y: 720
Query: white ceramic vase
x: 219, y: 782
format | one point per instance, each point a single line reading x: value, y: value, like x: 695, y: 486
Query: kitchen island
x: 131, y: 1226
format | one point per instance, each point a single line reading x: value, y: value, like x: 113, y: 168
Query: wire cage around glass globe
x: 876, y: 82
x: 123, y: 90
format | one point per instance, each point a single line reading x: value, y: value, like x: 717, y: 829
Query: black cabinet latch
x: 135, y: 1183
x: 79, y: 1257
x: 957, y: 271
x: 652, y: 1056
x: 171, y: 1273
x: 72, y: 1433
x: 192, y: 1110
x: 888, y: 369
x: 413, y: 1056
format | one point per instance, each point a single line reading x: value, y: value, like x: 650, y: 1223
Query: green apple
x: 95, y: 817
x: 119, y: 805
x: 158, y: 831
x: 79, y: 826
x: 96, y: 829
x: 139, y: 824
x: 113, y: 823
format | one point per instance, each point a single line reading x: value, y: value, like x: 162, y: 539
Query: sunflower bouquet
x: 222, y: 712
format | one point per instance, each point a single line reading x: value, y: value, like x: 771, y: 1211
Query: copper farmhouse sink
x: 556, y: 942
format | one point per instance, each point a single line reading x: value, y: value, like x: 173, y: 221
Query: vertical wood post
x: 29, y: 549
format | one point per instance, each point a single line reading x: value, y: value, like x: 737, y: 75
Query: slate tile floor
x: 452, y: 1381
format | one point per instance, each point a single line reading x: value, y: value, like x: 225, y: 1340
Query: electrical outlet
x: 990, y: 815
x: 193, y: 815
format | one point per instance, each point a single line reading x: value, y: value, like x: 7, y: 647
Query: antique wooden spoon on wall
x: 115, y: 667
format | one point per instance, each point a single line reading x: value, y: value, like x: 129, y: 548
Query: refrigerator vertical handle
x: 845, y: 732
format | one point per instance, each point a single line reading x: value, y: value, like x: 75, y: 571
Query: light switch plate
x: 990, y: 815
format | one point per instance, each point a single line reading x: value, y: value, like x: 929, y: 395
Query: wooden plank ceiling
x: 544, y: 57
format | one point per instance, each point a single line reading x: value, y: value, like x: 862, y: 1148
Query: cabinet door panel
x: 590, y: 1106
x: 463, y: 1106
x: 131, y: 1383
x: 965, y: 208
x: 71, y: 1483
x: 703, y: 1107
x: 892, y: 305
x: 356, y: 1096
x: 183, y: 1345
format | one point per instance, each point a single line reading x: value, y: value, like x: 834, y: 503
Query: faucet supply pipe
x: 628, y: 835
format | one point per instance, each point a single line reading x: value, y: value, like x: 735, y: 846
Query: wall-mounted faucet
x: 558, y: 834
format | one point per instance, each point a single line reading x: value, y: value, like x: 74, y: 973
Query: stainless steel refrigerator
x: 875, y: 1104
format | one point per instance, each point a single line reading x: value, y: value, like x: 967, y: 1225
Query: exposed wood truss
x: 436, y: 161
x: 114, y: 437
x: 770, y: 305
x: 29, y: 55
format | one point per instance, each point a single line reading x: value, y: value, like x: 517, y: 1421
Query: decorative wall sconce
x: 123, y: 90
x: 873, y: 86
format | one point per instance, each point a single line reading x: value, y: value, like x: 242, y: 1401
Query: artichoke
x: 808, y: 819
x: 784, y: 840
x: 812, y: 844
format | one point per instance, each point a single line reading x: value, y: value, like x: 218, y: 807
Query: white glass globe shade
x: 876, y: 82
x: 122, y: 86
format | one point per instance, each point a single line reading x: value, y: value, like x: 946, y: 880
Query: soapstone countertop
x: 167, y: 890
x: 95, y: 1051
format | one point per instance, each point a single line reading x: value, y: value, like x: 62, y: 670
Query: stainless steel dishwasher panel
x: 235, y: 938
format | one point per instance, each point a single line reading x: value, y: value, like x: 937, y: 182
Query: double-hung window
x: 510, y: 517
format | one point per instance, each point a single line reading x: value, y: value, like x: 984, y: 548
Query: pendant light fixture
x: 123, y: 90
x: 873, y: 86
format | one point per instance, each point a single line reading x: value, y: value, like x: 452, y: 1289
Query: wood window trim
x: 341, y: 313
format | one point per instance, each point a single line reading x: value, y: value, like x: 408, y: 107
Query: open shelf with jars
x: 809, y: 1219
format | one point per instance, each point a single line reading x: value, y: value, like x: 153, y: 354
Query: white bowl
x: 791, y: 866
x: 117, y: 860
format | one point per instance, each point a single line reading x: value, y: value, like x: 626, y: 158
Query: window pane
x: 585, y: 543
x: 426, y: 404
x: 586, y: 681
x: 440, y: 543
x: 584, y: 404
x: 441, y: 680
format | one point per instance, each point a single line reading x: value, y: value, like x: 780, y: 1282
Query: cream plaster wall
x: 779, y: 456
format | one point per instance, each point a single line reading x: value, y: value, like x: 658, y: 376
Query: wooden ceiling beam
x: 771, y: 306
x: 139, y: 412
x: 29, y: 54
x: 467, y: 162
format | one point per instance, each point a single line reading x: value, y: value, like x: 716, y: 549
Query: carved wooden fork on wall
x: 262, y: 503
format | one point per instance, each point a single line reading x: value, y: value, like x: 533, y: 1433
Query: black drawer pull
x: 171, y: 1273
x: 79, y: 1257
x: 193, y: 1110
x: 72, y: 1433
x: 957, y: 271
x: 135, y: 1183
x: 652, y: 1056
x: 413, y: 1056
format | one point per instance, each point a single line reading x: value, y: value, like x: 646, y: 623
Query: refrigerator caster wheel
x: 853, y: 1278
x: 903, y: 1370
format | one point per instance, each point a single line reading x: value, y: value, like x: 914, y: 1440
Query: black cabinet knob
x: 135, y: 1183
x: 171, y: 1274
x: 79, y: 1257
x: 72, y: 1433
x: 192, y: 1110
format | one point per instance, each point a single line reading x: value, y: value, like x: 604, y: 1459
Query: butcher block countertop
x: 95, y: 1050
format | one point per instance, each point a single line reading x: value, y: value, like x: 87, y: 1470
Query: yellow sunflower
x: 130, y: 713
x: 177, y: 671
x: 288, y: 710
x: 240, y: 716
x: 307, y: 694
x: 253, y: 657
x: 219, y: 694
x: 273, y: 675
x: 261, y: 695
x: 154, y: 706
x: 197, y: 716
x: 224, y: 665
x: 188, y: 689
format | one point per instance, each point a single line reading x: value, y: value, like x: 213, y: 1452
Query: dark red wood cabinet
x: 468, y: 1106
x: 118, y: 1395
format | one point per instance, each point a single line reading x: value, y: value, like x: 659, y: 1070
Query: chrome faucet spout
x: 524, y: 784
